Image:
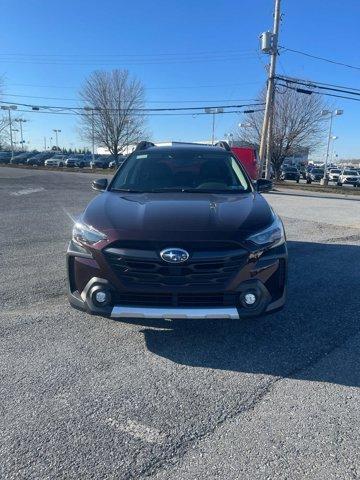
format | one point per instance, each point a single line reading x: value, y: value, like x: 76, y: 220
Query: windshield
x: 335, y: 170
x: 290, y: 169
x: 181, y: 171
x: 350, y: 172
x: 317, y: 170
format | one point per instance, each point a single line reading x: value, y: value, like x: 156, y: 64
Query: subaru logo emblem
x: 174, y: 255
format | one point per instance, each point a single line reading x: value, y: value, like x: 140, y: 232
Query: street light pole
x: 332, y: 114
x: 213, y: 111
x: 333, y: 138
x: 269, y: 45
x: 21, y: 121
x: 56, y: 130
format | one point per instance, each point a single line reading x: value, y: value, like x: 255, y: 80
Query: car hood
x: 178, y: 216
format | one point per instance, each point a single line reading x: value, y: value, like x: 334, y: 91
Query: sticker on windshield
x: 141, y: 156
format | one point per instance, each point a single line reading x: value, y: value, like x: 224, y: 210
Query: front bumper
x: 265, y: 276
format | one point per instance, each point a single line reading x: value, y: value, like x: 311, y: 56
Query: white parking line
x: 138, y: 430
x: 27, y: 191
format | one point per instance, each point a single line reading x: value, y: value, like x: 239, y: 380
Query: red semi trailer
x: 248, y: 158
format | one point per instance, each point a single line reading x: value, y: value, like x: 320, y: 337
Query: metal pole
x: 11, y: 137
x: 328, y: 148
x: 45, y: 143
x: 213, y: 130
x: 56, y: 136
x: 93, y: 135
x: 270, y: 93
x: 21, y: 134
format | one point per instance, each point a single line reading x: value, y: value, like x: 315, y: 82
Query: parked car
x: 349, y: 177
x: 77, y: 160
x: 21, y: 158
x: 57, y: 160
x: 314, y: 175
x: 334, y: 174
x: 179, y: 232
x: 5, y: 157
x: 290, y: 173
x: 39, y: 159
x: 100, y: 161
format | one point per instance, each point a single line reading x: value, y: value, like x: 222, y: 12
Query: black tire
x: 308, y: 181
x: 61, y: 164
x: 339, y: 184
x: 298, y: 180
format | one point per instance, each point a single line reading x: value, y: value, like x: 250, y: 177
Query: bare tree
x: 298, y: 125
x: 114, y: 99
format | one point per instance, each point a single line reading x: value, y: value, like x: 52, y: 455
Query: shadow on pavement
x: 322, y: 311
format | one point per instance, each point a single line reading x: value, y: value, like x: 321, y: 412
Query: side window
x: 239, y: 174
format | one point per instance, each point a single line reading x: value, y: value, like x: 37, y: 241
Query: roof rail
x: 223, y: 144
x: 144, y: 145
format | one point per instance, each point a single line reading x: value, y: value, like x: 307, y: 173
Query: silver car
x: 56, y: 161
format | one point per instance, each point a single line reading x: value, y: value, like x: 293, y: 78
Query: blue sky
x: 203, y: 50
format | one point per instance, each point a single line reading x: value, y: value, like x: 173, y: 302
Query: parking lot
x: 88, y: 397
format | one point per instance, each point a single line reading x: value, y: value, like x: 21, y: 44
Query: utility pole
x: 9, y: 108
x: 45, y: 144
x: 269, y: 44
x: 213, y: 112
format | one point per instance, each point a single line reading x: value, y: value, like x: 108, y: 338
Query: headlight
x: 83, y: 233
x: 271, y: 236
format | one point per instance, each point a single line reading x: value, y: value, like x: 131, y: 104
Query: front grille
x: 186, y: 300
x: 207, y: 271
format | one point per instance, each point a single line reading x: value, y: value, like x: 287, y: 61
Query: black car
x: 314, y: 175
x: 21, y: 158
x: 39, y: 159
x: 290, y: 173
x: 5, y: 157
x: 179, y: 232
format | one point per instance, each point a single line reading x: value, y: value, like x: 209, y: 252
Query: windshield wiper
x: 127, y: 190
x: 195, y: 190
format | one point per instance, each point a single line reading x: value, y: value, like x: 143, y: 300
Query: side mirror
x: 99, y: 184
x: 263, y: 185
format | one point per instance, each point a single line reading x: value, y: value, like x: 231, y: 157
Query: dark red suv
x: 179, y: 232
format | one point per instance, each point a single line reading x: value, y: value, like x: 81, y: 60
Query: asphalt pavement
x: 87, y: 397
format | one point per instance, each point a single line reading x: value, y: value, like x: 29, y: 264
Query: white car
x: 55, y: 161
x: 334, y: 174
x: 349, y: 177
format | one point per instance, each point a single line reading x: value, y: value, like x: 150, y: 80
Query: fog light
x: 250, y: 298
x: 101, y: 297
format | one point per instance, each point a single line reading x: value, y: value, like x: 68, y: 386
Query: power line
x: 334, y: 62
x: 149, y: 101
x: 78, y: 114
x: 224, y: 85
x: 319, y: 86
x: 133, y: 109
x: 160, y: 61
x: 287, y: 78
x: 102, y: 55
x: 309, y: 92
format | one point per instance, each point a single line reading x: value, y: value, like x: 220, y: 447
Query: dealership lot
x: 89, y: 397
